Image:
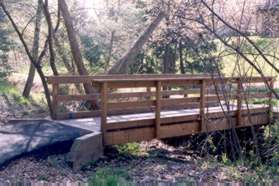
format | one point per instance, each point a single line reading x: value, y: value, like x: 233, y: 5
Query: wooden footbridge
x: 143, y: 107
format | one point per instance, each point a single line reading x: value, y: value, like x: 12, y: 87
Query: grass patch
x: 267, y: 45
x: 263, y: 102
x: 230, y: 62
x: 7, y: 89
x: 14, y: 94
x: 110, y: 177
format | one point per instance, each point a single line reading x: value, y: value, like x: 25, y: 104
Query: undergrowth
x: 262, y: 167
x: 251, y: 167
x: 8, y: 90
x: 129, y: 149
x: 110, y: 177
x: 13, y: 100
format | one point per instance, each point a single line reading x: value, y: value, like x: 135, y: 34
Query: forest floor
x: 157, y: 162
x: 137, y: 162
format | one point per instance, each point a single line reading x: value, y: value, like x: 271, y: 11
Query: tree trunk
x: 181, y: 62
x: 63, y: 55
x: 169, y: 60
x: 122, y: 66
x: 110, y: 51
x: 66, y: 61
x: 75, y: 48
x: 168, y: 64
x: 35, y: 50
x: 50, y: 40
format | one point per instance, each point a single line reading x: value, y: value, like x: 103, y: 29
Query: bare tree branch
x: 242, y: 34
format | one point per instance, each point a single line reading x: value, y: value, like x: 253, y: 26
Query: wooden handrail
x: 125, y: 78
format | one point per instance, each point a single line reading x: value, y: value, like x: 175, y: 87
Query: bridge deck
x: 259, y: 117
x: 177, y: 113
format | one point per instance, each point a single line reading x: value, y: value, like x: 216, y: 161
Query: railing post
x: 104, y: 109
x: 185, y: 94
x: 158, y: 108
x: 202, y: 105
x: 148, y: 90
x: 239, y: 102
x: 55, y: 91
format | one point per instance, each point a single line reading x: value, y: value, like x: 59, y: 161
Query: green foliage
x: 263, y: 172
x: 110, y: 177
x: 272, y: 138
x: 92, y: 51
x: 197, y: 53
x: 200, y: 57
x: 263, y: 102
x: 129, y: 149
x: 225, y: 159
x: 145, y: 64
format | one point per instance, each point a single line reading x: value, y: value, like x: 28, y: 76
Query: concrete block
x: 86, y: 149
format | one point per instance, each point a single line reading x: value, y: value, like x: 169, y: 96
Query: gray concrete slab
x: 17, y: 138
x: 91, y: 124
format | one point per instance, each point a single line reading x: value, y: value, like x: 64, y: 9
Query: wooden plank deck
x: 176, y: 113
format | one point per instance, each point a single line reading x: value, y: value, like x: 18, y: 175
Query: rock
x: 20, y: 137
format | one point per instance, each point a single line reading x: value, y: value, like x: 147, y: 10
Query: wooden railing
x: 60, y: 82
x: 125, y: 94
